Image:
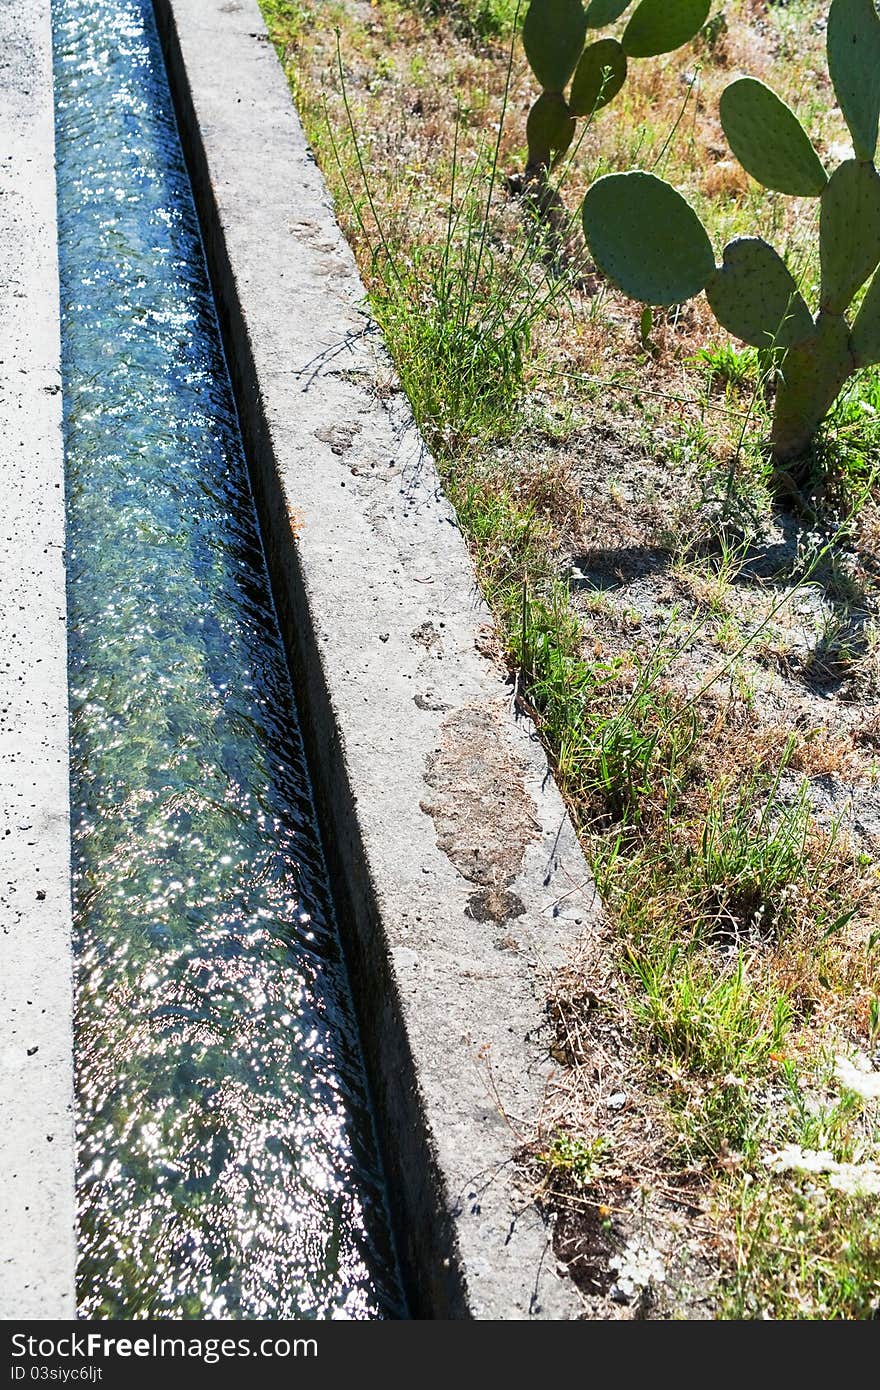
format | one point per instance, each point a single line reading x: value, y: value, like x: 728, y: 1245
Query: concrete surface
x: 37, y: 1213
x: 459, y: 881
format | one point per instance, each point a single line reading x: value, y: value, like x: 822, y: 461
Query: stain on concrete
x: 339, y: 437
x: 482, y: 813
x: 427, y: 636
x: 494, y: 905
x: 429, y: 700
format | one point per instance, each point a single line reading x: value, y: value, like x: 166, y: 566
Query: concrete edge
x: 37, y: 1152
x: 406, y: 723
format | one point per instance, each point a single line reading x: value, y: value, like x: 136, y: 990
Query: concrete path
x: 37, y: 1252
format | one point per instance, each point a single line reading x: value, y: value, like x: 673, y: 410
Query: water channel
x: 227, y: 1159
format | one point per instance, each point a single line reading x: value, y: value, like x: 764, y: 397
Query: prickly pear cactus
x: 753, y: 295
x: 854, y: 65
x: 554, y: 38
x: 659, y: 26
x: 811, y: 375
x: 651, y: 244
x: 598, y: 77
x: 769, y: 140
x: 849, y: 232
x: 602, y: 12
x: 865, y: 335
x: 550, y: 128
x: 646, y: 238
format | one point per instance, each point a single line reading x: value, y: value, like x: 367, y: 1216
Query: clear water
x: 227, y: 1160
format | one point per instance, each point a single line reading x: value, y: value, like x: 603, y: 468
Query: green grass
x: 481, y: 19
x: 803, y: 1254
x: 458, y: 313
x: 712, y: 1033
x: 574, y: 1157
x: 710, y: 1025
x: 804, y: 1250
x: 619, y: 741
x: 753, y: 856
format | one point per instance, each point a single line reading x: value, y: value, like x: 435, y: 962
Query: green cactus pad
x: 549, y: 128
x: 602, y: 12
x: 854, y: 65
x: 659, y: 26
x: 598, y: 77
x: 646, y: 238
x: 812, y: 375
x: 849, y: 232
x: 769, y: 140
x: 754, y: 296
x: 865, y: 336
x: 553, y: 37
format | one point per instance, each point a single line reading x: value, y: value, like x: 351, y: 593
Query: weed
x: 725, y: 365
x: 571, y: 1156
x: 482, y: 19
x: 620, y: 757
x: 753, y: 856
x: 708, y: 1024
x: 841, y: 645
x: 710, y: 577
x: 802, y: 1253
x: 458, y: 318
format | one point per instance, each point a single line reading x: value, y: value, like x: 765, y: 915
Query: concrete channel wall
x: 37, y: 1213
x: 459, y: 882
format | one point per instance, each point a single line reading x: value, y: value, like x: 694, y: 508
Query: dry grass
x: 699, y: 649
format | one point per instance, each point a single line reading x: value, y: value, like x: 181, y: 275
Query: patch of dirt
x: 651, y: 581
x: 635, y: 1209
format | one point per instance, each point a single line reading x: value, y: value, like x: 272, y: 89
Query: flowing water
x: 227, y: 1157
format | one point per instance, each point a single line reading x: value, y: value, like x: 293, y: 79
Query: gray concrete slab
x: 460, y: 883
x: 37, y: 1212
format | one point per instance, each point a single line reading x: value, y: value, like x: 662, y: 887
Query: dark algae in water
x: 227, y: 1158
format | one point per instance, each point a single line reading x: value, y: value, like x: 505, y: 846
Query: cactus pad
x: 646, y: 238
x: 602, y: 12
x: 769, y: 140
x: 598, y: 77
x: 658, y: 26
x: 854, y: 64
x: 813, y: 373
x: 754, y: 296
x: 865, y: 336
x: 554, y: 32
x: 549, y: 128
x: 849, y: 232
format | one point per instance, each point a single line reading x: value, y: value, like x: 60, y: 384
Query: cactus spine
x: 653, y: 247
x: 554, y: 38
